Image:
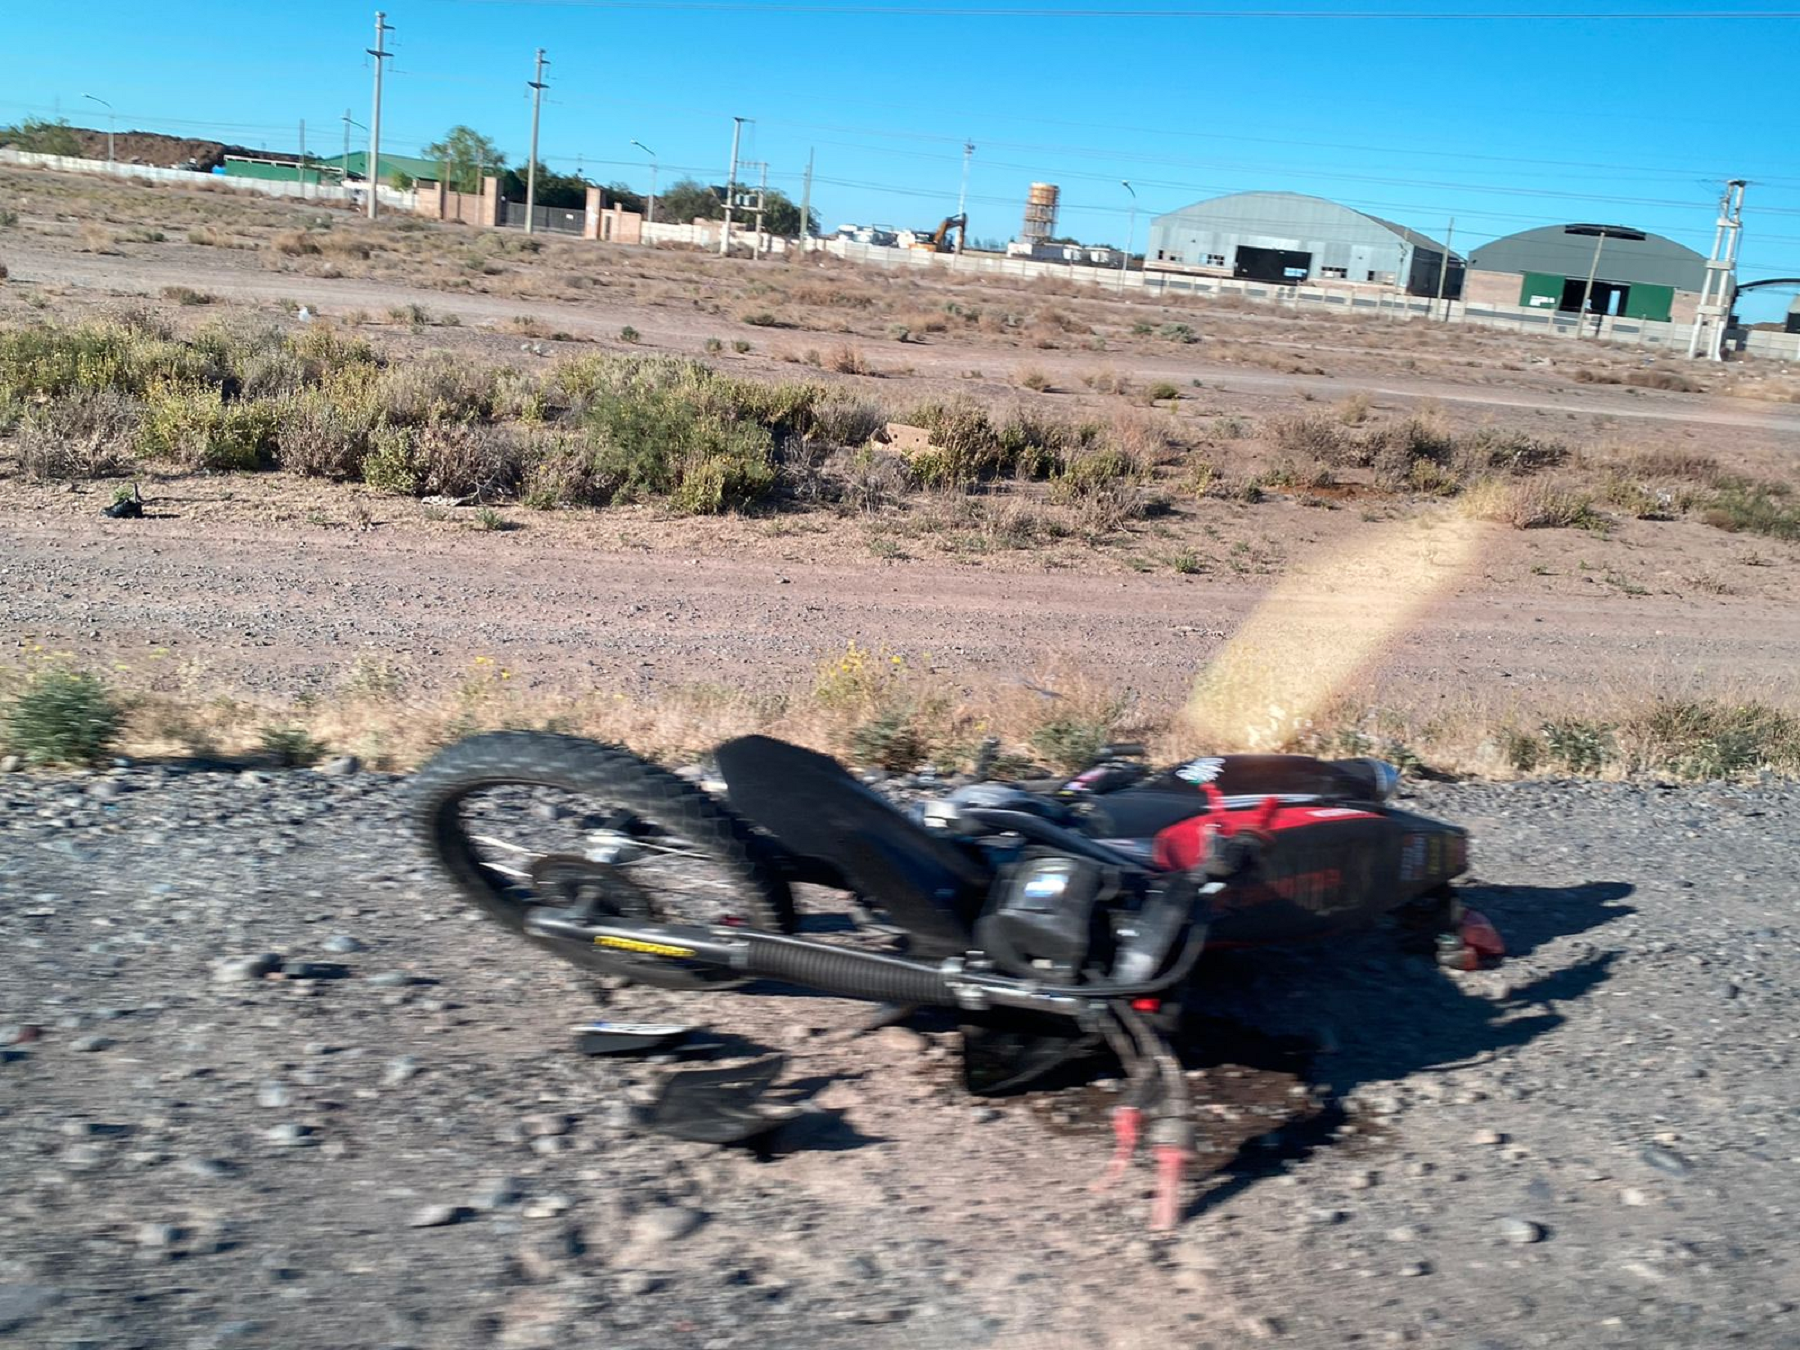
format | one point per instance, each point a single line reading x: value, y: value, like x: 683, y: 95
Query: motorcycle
x: 1051, y: 918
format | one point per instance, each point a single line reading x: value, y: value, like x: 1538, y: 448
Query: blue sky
x: 1502, y: 123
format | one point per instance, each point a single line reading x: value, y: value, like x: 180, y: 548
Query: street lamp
x: 651, y: 219
x: 344, y: 172
x: 111, y: 119
x: 1130, y: 233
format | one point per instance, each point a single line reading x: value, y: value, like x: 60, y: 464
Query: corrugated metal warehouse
x: 1286, y: 237
x: 1636, y: 275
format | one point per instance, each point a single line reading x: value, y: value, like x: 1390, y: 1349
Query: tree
x: 617, y: 194
x: 552, y: 188
x: 688, y: 200
x: 37, y: 137
x: 468, y: 154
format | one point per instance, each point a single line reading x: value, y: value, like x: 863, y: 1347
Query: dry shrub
x: 1291, y: 473
x: 866, y: 478
x: 295, y: 244
x: 436, y: 389
x: 1106, y: 380
x: 916, y: 321
x: 321, y: 438
x: 837, y: 294
x: 1530, y: 504
x: 86, y: 435
x: 1314, y: 436
x: 1145, y: 439
x: 1052, y: 319
x: 842, y: 419
x: 451, y: 459
x: 197, y: 429
x: 1687, y: 466
x: 96, y: 238
x: 1030, y: 377
x: 1656, y: 378
x: 848, y: 360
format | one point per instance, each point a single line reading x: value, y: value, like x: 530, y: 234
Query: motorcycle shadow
x: 1276, y: 1077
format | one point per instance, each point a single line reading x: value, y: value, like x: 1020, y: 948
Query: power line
x: 1060, y: 12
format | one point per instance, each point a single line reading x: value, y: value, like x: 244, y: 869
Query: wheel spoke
x: 684, y: 883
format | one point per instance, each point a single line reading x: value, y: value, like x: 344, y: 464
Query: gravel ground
x: 391, y: 1141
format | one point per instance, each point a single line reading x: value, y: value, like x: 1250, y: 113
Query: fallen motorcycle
x: 1051, y: 917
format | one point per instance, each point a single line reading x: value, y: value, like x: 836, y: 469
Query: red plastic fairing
x: 1183, y: 845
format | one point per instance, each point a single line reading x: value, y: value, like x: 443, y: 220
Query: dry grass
x: 886, y: 708
x: 1651, y: 377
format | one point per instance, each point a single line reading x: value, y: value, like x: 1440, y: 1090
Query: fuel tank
x: 1322, y: 868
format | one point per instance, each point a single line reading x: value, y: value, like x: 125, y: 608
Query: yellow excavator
x: 938, y: 241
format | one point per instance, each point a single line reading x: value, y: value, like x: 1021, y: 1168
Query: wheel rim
x: 505, y: 829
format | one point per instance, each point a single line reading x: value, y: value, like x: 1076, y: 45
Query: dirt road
x: 273, y: 610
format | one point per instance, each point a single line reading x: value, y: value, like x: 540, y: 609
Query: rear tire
x: 757, y: 895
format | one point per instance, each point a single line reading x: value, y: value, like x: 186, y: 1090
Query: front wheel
x: 516, y: 819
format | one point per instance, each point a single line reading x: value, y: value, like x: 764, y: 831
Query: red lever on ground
x: 1127, y: 1122
x: 1481, y: 940
x: 1171, y: 1170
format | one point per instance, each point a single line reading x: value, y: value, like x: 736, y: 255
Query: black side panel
x: 818, y: 811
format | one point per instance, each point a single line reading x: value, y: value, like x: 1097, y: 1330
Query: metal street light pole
x: 962, y: 198
x: 344, y: 171
x: 737, y: 131
x: 1444, y: 267
x: 650, y: 218
x: 537, y: 95
x: 111, y: 123
x: 372, y: 170
x: 1587, y: 291
x: 1130, y: 232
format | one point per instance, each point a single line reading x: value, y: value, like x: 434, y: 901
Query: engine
x: 1068, y: 920
x: 1047, y: 915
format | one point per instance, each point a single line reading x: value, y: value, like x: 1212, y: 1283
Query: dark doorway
x: 1286, y: 266
x: 1607, y: 297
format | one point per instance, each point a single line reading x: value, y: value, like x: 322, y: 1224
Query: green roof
x: 409, y: 165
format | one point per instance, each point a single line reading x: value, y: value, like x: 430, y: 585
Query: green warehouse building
x: 1634, y: 274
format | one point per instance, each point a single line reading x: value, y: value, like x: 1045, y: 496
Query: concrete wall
x: 261, y: 187
x: 436, y: 202
x: 704, y: 234
x: 611, y: 224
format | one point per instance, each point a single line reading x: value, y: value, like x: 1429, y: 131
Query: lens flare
x: 1326, y: 622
